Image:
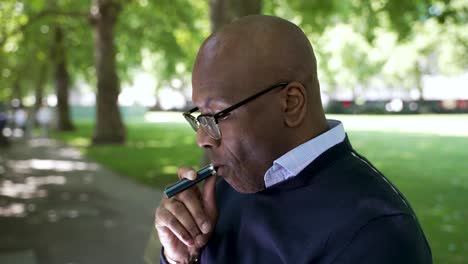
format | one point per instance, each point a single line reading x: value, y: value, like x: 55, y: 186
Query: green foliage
x: 366, y: 15
x: 32, y: 38
x: 159, y: 36
x: 386, y: 43
x: 347, y: 63
x: 11, y: 19
x: 162, y: 37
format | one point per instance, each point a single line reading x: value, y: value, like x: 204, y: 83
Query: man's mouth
x: 219, y: 168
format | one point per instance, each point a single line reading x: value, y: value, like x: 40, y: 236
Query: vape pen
x: 184, y: 184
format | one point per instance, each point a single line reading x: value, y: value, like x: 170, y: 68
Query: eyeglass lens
x: 208, y: 124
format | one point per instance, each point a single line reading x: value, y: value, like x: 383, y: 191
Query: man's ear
x: 294, y: 104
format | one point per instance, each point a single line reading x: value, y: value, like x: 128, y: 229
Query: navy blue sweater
x: 339, y: 209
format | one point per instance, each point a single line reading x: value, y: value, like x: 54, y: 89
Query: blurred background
x: 92, y: 91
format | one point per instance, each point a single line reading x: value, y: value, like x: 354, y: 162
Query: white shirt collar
x: 294, y: 161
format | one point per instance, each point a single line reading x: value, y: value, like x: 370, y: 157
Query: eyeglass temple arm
x: 248, y: 99
x: 190, y: 111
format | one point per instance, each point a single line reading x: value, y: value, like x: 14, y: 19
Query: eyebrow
x: 207, y: 102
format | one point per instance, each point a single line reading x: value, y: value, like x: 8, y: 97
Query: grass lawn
x: 426, y: 157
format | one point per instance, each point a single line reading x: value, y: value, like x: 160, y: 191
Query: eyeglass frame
x: 225, y: 112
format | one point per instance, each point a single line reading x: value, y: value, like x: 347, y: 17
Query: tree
x: 39, y: 89
x: 347, y: 64
x: 172, y: 39
x: 225, y: 11
x: 109, y: 126
x: 62, y: 81
x: 10, y: 18
x: 40, y: 35
x: 162, y: 31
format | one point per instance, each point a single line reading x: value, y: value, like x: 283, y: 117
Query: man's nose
x: 204, y: 140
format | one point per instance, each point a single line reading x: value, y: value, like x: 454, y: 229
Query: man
x: 3, y: 124
x: 21, y: 120
x: 291, y: 189
x: 44, y: 117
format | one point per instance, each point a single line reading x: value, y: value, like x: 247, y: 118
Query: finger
x: 201, y: 240
x: 173, y: 249
x: 165, y: 219
x: 209, y: 196
x: 187, y: 173
x: 165, y: 234
x: 180, y: 211
x: 193, y: 202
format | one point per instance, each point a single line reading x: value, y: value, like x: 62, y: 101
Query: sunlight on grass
x: 169, y: 169
x: 80, y: 142
x: 164, y: 117
x: 444, y: 125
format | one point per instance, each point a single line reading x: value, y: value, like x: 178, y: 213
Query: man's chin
x: 241, y: 187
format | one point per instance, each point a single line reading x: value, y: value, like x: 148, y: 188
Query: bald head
x: 271, y: 45
x: 261, y: 50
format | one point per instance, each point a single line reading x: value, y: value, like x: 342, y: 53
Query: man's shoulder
x: 343, y: 192
x: 384, y: 239
x: 353, y: 182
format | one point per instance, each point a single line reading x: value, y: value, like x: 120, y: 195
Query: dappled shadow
x: 42, y: 192
x: 41, y: 142
x: 67, y: 209
x: 37, y: 188
x: 27, y: 166
x: 30, y: 188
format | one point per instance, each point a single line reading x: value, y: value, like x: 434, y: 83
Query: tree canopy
x: 357, y: 42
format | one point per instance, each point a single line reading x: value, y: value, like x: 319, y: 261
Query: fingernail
x: 191, y: 175
x: 205, y: 228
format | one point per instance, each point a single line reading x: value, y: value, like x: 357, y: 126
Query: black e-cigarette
x: 184, y: 184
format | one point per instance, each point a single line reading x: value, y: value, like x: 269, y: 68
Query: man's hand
x: 186, y: 221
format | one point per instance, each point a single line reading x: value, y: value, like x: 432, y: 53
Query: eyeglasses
x: 209, y: 122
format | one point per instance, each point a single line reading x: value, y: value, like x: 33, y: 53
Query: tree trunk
x: 418, y: 81
x: 422, y: 108
x: 109, y: 127
x: 62, y: 82
x: 17, y: 91
x: 225, y: 11
x: 39, y: 89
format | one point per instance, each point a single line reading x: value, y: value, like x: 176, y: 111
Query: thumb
x: 209, y: 195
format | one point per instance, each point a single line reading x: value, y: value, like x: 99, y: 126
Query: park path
x: 56, y: 207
